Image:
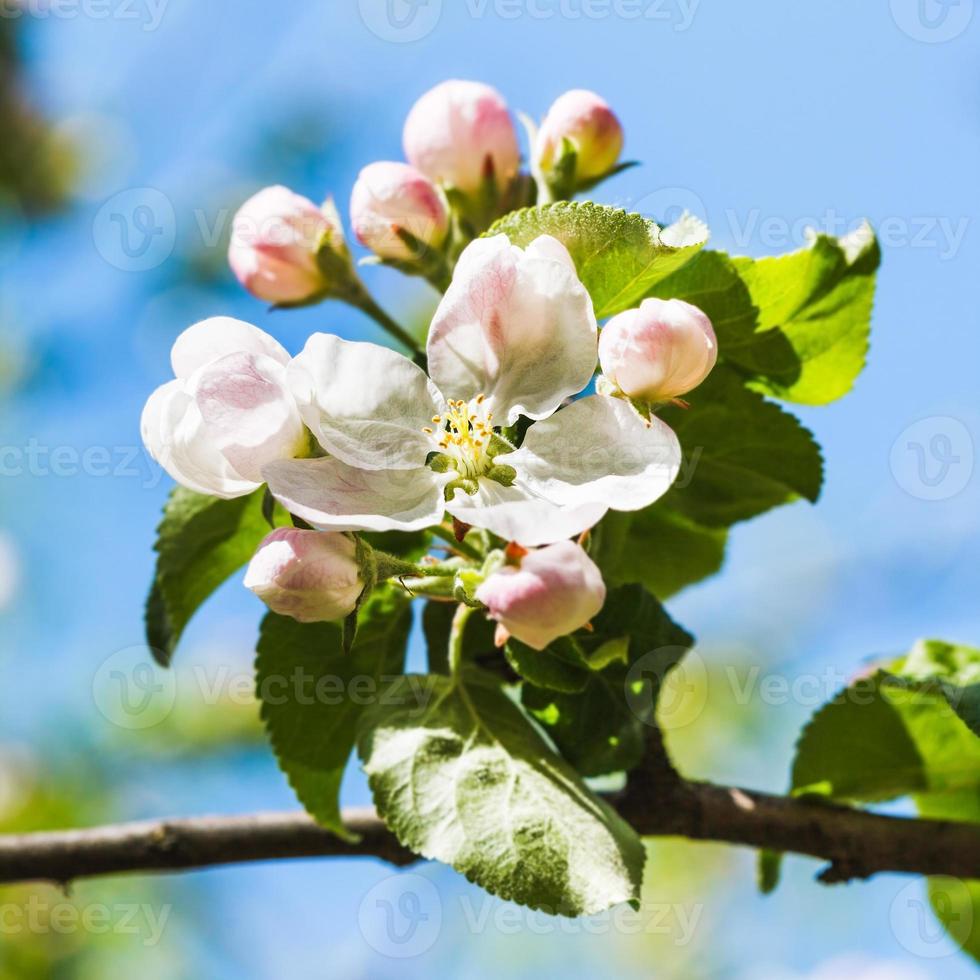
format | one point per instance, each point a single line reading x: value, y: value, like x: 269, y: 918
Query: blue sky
x: 763, y: 117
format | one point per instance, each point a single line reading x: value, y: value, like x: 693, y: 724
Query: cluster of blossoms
x: 498, y: 431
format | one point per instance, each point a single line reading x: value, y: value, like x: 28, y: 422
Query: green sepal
x: 502, y: 474
x: 499, y: 445
x: 466, y: 484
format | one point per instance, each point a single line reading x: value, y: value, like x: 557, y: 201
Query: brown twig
x: 855, y: 843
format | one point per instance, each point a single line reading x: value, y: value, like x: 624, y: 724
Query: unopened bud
x: 312, y: 576
x: 589, y: 125
x: 276, y: 238
x: 389, y: 198
x: 551, y: 593
x: 659, y: 351
x: 460, y: 131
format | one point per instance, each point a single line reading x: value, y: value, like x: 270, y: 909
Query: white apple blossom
x: 228, y: 412
x: 514, y: 335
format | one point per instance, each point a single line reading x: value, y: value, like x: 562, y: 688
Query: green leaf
x: 896, y: 734
x: 201, y: 541
x: 657, y: 548
x: 313, y: 695
x: 955, y: 902
x: 796, y: 325
x: 954, y: 670
x: 883, y: 738
x: 558, y: 667
x: 602, y: 728
x: 711, y: 281
x: 769, y: 869
x: 857, y: 747
x: 632, y: 612
x: 437, y: 621
x: 468, y: 781
x: 619, y: 256
x: 743, y: 455
x: 477, y: 646
x: 820, y: 298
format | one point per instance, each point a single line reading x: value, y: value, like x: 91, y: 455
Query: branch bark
x: 855, y: 843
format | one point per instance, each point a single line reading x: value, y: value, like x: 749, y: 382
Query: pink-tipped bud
x: 659, y: 351
x: 587, y: 122
x: 553, y: 592
x: 275, y: 238
x: 392, y: 197
x: 312, y: 576
x: 458, y: 129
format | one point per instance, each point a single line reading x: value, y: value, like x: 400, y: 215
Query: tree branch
x: 856, y: 843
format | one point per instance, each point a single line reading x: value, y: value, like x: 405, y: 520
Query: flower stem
x: 460, y: 619
x: 388, y: 566
x: 363, y: 300
x: 460, y: 546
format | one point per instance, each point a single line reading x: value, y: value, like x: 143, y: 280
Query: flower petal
x: 367, y: 405
x: 516, y: 513
x: 251, y: 413
x: 598, y: 449
x: 333, y: 496
x: 178, y: 438
x: 210, y: 339
x: 516, y: 325
x: 548, y: 247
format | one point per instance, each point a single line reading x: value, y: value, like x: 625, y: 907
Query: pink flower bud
x: 555, y: 591
x: 659, y: 351
x: 389, y: 197
x: 275, y: 238
x: 454, y: 128
x: 588, y: 123
x: 311, y: 576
